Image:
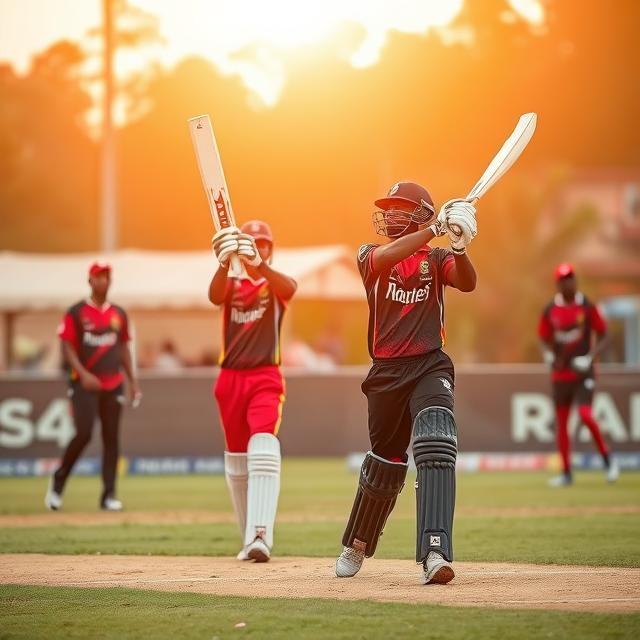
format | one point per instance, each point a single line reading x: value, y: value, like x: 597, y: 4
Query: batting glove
x: 225, y: 244
x: 439, y: 227
x: 549, y: 357
x: 581, y: 363
x: 248, y: 251
x: 461, y: 225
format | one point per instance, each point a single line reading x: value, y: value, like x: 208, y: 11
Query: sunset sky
x: 259, y: 41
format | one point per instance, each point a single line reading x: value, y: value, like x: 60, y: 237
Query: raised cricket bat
x: 510, y: 151
x: 212, y: 174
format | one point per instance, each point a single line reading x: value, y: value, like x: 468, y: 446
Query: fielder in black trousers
x: 95, y: 337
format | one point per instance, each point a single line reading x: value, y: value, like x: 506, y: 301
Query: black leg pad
x: 435, y: 448
x: 380, y: 483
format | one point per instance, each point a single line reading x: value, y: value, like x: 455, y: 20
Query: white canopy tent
x: 163, y: 279
x: 155, y: 280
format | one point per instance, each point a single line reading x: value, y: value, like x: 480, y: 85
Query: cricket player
x: 250, y: 388
x: 410, y: 387
x: 95, y: 337
x: 573, y: 333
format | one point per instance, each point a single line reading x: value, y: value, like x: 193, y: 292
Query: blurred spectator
x: 28, y: 353
x: 167, y: 358
x: 331, y: 344
x: 298, y: 353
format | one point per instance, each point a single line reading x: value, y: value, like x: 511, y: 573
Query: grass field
x: 500, y: 517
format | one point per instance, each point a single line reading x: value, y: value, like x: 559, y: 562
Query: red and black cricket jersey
x: 252, y: 322
x: 406, y: 302
x: 96, y: 334
x: 569, y: 327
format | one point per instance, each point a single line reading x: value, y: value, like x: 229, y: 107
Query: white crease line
x: 568, y: 601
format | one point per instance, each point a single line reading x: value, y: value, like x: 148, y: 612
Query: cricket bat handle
x: 454, y: 227
x: 236, y: 265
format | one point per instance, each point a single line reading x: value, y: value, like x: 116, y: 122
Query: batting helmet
x: 403, y: 193
x: 258, y: 229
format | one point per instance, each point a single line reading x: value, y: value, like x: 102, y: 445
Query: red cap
x: 99, y: 267
x: 403, y: 192
x: 258, y: 229
x: 563, y: 270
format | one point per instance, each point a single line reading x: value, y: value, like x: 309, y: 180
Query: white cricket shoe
x: 613, y: 472
x: 52, y: 499
x: 242, y: 554
x: 111, y: 504
x: 349, y: 562
x: 258, y: 551
x: 437, y: 570
x: 561, y: 480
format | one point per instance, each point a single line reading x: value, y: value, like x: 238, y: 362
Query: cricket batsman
x: 250, y: 387
x: 95, y: 344
x: 410, y: 386
x: 573, y: 333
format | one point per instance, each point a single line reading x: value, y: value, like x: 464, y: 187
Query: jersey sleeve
x: 545, y: 330
x: 67, y: 330
x: 365, y: 265
x: 124, y: 335
x: 598, y: 322
x: 445, y: 262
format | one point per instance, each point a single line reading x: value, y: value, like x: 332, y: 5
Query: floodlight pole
x: 108, y: 184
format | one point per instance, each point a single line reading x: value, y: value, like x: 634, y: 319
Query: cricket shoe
x: 437, y: 570
x: 111, y: 504
x: 561, y: 480
x: 242, y: 554
x: 613, y: 471
x: 349, y: 562
x: 52, y: 499
x: 258, y: 551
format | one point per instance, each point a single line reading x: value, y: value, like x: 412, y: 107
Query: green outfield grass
x: 127, y: 613
x: 316, y: 496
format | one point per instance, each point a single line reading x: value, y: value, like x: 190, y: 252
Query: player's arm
x: 387, y: 255
x: 462, y: 274
x: 282, y: 285
x: 218, y: 285
x: 603, y: 340
x: 224, y: 245
x: 545, y: 339
x: 127, y: 364
x: 88, y: 380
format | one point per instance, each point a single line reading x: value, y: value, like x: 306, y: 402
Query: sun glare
x: 257, y: 40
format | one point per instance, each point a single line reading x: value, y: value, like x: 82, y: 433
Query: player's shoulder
x: 119, y: 309
x: 75, y: 308
x: 365, y: 249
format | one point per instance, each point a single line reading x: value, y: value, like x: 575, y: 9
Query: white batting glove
x: 439, y: 227
x: 461, y: 224
x: 549, y: 357
x: 581, y: 363
x: 225, y: 244
x: 248, y: 251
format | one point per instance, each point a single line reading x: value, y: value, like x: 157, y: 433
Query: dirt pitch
x: 572, y: 588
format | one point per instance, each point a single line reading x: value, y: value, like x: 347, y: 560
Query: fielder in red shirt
x: 250, y: 388
x: 410, y: 387
x: 567, y: 329
x: 95, y: 337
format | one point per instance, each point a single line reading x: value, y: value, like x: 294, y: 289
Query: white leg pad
x: 263, y: 462
x: 235, y: 472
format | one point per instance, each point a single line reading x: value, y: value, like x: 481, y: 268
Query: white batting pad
x: 235, y: 472
x: 263, y: 462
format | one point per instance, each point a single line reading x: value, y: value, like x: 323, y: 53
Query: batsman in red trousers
x: 410, y: 386
x: 573, y: 333
x: 250, y: 388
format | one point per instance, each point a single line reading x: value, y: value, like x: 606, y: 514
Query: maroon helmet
x: 258, y: 229
x: 406, y: 203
